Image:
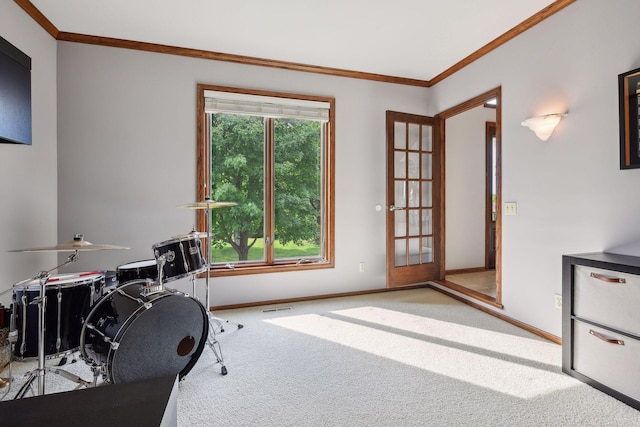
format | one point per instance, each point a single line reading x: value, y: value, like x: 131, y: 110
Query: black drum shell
x: 138, y: 270
x: 77, y: 295
x: 181, y: 256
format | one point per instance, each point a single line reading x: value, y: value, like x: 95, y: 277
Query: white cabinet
x: 601, y: 323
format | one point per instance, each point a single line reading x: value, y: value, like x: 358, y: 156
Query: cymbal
x: 207, y: 204
x: 196, y: 234
x: 77, y: 244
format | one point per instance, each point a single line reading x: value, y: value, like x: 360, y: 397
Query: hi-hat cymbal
x: 207, y: 204
x: 77, y: 244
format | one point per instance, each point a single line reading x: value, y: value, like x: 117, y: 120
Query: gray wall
x: 572, y: 197
x: 28, y: 184
x: 127, y: 157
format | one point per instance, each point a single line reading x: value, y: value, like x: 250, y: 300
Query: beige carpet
x: 405, y: 358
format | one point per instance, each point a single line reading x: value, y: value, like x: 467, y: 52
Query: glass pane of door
x: 413, y: 190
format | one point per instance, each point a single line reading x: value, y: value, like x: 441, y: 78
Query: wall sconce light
x: 543, y: 126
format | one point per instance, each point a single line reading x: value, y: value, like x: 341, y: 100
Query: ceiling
x: 414, y: 39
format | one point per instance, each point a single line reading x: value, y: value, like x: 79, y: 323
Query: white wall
x: 465, y: 184
x: 127, y: 158
x: 28, y: 184
x: 572, y: 197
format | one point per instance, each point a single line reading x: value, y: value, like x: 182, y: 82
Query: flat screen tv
x: 15, y: 95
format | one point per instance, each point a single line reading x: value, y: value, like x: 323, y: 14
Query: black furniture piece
x: 144, y: 403
x: 601, y: 323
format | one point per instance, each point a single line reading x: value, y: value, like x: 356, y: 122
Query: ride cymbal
x: 196, y: 234
x: 208, y: 204
x: 77, y: 244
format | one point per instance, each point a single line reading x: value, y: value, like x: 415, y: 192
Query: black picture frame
x: 629, y: 98
x: 15, y: 95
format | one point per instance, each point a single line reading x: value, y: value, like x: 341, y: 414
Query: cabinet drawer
x: 614, y: 364
x: 607, y: 297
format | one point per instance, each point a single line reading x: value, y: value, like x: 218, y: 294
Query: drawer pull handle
x: 605, y: 339
x: 608, y: 279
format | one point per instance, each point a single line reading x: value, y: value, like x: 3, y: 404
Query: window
x: 272, y: 154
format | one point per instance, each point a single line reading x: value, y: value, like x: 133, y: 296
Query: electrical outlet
x: 558, y: 300
x: 361, y: 267
x: 510, y: 208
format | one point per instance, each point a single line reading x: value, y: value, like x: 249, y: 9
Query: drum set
x: 125, y: 324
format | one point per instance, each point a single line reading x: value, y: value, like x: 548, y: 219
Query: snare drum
x: 139, y: 270
x: 182, y: 257
x: 69, y: 298
x: 132, y: 336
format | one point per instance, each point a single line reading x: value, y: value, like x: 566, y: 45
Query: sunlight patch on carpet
x: 514, y: 379
x: 526, y: 348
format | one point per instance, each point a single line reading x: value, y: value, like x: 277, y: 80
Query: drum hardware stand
x: 64, y: 359
x: 218, y: 321
x: 77, y: 244
x: 161, y: 260
x: 215, y: 323
x: 212, y: 340
x: 153, y: 287
x: 40, y: 372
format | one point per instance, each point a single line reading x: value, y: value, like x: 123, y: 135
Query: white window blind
x: 256, y: 105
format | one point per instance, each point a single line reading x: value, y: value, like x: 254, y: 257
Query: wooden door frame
x: 489, y: 234
x: 444, y: 115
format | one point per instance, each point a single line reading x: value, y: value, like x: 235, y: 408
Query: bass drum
x: 133, y: 336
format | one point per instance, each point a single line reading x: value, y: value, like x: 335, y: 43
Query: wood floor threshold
x: 521, y: 325
x: 471, y: 293
x: 468, y: 270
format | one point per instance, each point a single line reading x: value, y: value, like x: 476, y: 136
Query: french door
x: 414, y: 199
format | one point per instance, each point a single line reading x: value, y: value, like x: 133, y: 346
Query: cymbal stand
x: 215, y: 323
x: 39, y: 373
x: 212, y: 340
x: 218, y: 321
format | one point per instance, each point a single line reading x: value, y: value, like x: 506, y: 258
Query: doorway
x: 472, y: 232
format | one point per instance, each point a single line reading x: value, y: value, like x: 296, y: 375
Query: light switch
x: 510, y: 208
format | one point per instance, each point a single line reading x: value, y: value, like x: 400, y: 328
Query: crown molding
x: 44, y: 22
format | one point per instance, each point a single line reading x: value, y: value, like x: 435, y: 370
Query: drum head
x: 166, y: 339
x: 63, y: 280
x: 138, y: 264
x: 146, y: 269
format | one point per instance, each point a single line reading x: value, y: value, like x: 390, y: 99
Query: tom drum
x: 182, y: 257
x: 139, y: 270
